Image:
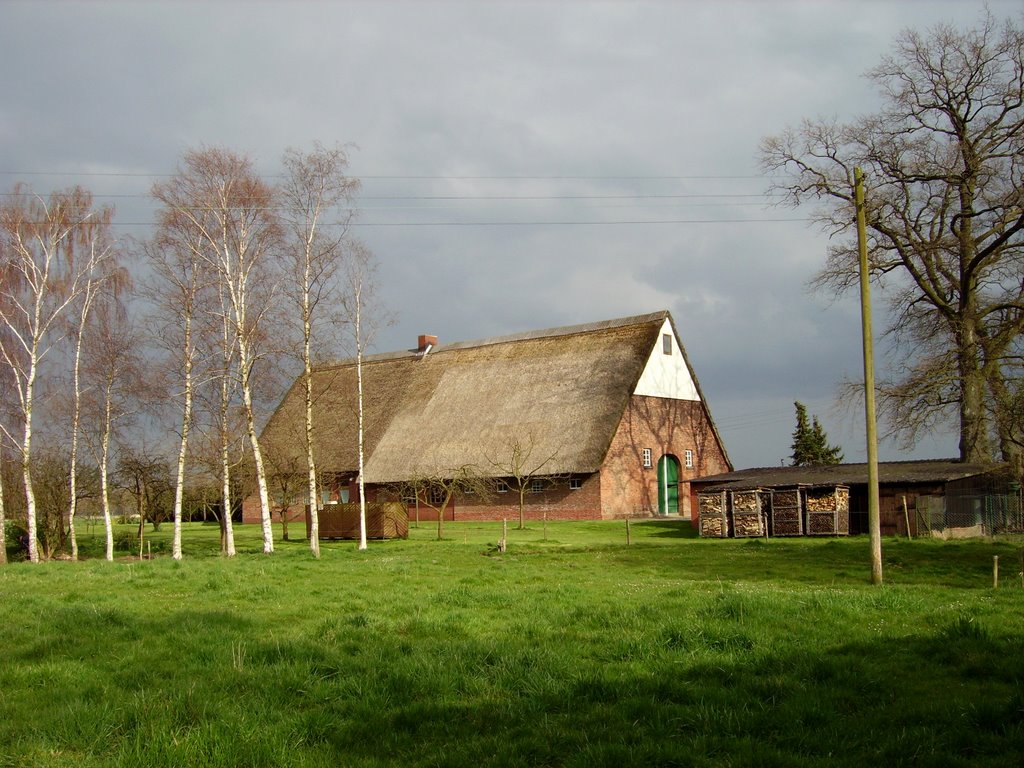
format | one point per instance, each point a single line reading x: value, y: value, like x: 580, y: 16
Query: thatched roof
x: 559, y: 392
x: 889, y: 473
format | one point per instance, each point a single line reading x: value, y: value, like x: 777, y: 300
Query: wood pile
x: 747, y: 517
x: 787, y: 513
x: 828, y: 511
x: 714, y: 522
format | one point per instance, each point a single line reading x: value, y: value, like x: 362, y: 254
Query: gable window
x: 688, y: 458
x: 501, y: 486
x: 666, y: 343
x: 575, y: 483
x: 645, y: 457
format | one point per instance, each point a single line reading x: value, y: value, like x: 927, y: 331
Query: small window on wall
x: 536, y: 486
x: 645, y: 456
x: 437, y: 495
x: 688, y: 458
x: 575, y: 483
x: 501, y: 486
x: 666, y: 343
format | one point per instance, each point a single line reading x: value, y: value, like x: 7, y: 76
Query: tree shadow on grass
x: 666, y: 529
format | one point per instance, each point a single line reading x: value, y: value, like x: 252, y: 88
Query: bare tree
x: 441, y: 486
x: 220, y: 195
x: 311, y: 196
x: 523, y: 470
x: 41, y: 242
x: 147, y: 479
x: 945, y: 210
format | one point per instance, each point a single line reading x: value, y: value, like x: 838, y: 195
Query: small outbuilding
x: 944, y: 497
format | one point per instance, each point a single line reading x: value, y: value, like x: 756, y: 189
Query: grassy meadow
x: 571, y: 648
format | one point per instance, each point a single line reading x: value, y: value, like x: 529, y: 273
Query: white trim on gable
x: 667, y: 375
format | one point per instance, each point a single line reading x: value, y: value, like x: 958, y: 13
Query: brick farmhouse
x: 596, y: 421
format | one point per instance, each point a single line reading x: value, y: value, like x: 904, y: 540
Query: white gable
x: 666, y: 374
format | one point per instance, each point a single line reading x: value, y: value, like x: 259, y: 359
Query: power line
x: 379, y: 177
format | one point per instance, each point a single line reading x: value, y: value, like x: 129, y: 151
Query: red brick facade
x: 666, y: 428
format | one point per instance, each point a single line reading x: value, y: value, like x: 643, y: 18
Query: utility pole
x: 874, y: 521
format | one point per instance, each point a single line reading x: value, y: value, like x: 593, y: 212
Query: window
x: 666, y: 343
x: 645, y: 456
x: 501, y: 486
x: 688, y: 457
x: 536, y: 486
x: 437, y: 495
x: 344, y: 495
x: 575, y: 483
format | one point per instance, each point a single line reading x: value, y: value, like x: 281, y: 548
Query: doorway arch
x: 668, y: 485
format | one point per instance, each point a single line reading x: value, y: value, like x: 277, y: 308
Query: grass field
x: 573, y: 649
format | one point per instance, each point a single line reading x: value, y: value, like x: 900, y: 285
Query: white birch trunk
x: 314, y: 515
x: 228, y: 534
x: 186, y: 419
x: 225, y: 474
x: 76, y: 419
x: 307, y: 328
x: 359, y: 384
x: 108, y: 525
x: 3, y: 518
x: 26, y: 463
x: 257, y: 454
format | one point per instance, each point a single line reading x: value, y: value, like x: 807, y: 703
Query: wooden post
x: 870, y: 420
x: 1022, y: 568
x: 995, y: 571
x: 504, y: 535
x: 906, y: 517
x: 628, y: 542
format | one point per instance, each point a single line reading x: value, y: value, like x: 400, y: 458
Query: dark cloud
x: 632, y: 115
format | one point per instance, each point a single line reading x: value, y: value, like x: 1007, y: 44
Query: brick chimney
x: 425, y: 341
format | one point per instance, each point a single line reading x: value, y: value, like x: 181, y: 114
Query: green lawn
x: 570, y: 649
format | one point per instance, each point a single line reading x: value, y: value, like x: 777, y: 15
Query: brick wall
x: 666, y: 427
x: 557, y: 499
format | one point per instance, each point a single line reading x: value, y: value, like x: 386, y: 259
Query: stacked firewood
x: 746, y: 514
x: 712, y: 515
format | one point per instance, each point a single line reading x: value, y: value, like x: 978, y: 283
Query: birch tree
x: 312, y: 197
x: 220, y: 195
x: 42, y: 244
x: 101, y: 273
x: 114, y: 367
x: 360, y: 272
x: 945, y: 214
x: 176, y: 258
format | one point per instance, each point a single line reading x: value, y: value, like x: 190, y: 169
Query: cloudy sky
x: 524, y: 165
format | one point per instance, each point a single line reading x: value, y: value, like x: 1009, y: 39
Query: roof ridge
x: 565, y: 330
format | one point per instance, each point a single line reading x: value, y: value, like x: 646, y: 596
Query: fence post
x: 628, y: 542
x: 995, y: 571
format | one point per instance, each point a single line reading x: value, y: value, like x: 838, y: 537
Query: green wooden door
x: 668, y: 486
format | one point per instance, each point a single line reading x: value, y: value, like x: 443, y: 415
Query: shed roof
x: 889, y: 473
x: 560, y: 391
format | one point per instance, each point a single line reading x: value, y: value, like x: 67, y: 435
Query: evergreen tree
x: 822, y: 452
x: 810, y: 443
